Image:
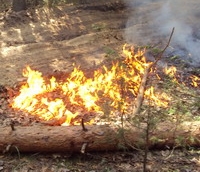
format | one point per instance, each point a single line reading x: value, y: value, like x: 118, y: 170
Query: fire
x: 159, y: 100
x: 77, y: 94
x: 171, y: 72
x: 195, y: 81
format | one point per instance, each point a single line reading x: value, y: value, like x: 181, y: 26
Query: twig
x: 7, y: 149
x: 167, y: 45
x: 146, y: 150
x: 147, y: 136
x: 18, y: 152
x: 170, y: 154
x: 140, y: 96
x: 12, y: 125
x: 83, y: 126
x: 83, y: 148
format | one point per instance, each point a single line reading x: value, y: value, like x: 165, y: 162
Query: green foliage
x: 110, y: 53
x: 180, y: 141
x: 156, y: 50
x: 174, y: 57
x: 120, y: 135
x: 155, y: 140
x: 98, y: 26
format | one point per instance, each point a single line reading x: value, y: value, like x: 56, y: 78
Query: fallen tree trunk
x: 96, y: 138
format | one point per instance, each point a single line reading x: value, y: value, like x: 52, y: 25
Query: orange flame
x: 195, y: 81
x: 159, y: 100
x: 170, y: 71
x: 78, y: 94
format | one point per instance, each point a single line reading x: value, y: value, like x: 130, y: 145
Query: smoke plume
x: 151, y: 22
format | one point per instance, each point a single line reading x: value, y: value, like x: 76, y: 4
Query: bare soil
x: 53, y: 40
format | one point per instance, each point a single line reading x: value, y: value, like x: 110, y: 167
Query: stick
x: 162, y: 52
x: 83, y: 125
x: 140, y: 96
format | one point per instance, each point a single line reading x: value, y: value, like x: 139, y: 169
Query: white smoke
x: 151, y: 22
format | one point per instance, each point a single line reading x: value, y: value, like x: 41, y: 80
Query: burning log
x: 96, y: 138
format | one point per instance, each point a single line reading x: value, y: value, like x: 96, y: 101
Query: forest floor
x: 52, y: 40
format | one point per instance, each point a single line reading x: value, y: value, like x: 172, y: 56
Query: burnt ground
x: 52, y: 40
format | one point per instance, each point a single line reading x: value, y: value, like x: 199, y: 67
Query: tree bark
x: 96, y: 138
x: 18, y: 5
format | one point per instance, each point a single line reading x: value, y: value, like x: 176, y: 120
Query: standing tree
x: 18, y: 5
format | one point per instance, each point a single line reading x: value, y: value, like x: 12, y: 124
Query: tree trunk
x: 18, y: 5
x: 96, y: 138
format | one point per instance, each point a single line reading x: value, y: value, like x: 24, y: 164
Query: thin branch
x: 167, y: 45
x: 83, y: 125
x: 140, y: 96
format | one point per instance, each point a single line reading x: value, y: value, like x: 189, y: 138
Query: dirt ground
x: 52, y: 40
